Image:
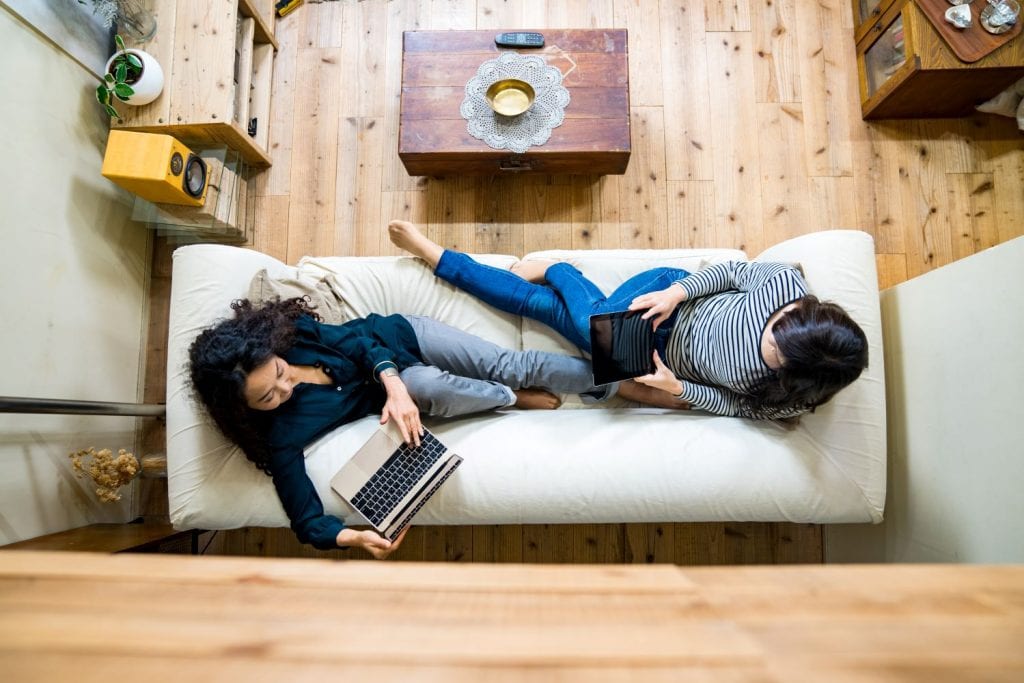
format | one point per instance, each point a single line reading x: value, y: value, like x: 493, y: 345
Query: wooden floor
x: 746, y: 131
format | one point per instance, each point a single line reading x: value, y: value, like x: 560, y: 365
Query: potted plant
x: 132, y: 76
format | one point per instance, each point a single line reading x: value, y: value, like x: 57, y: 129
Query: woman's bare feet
x: 533, y: 270
x: 536, y: 399
x: 641, y: 393
x: 407, y: 236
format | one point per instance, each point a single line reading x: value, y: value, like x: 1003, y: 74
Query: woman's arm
x: 301, y: 502
x: 308, y: 519
x: 712, y: 399
x: 743, y: 276
x: 729, y: 403
x: 371, y: 541
x: 400, y: 407
x: 659, y: 304
x: 362, y: 350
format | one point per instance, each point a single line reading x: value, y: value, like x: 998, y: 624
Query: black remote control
x: 519, y: 39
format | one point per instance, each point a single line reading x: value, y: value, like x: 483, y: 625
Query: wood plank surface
x: 969, y: 44
x: 259, y: 617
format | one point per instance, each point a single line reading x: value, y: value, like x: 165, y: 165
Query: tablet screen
x: 622, y: 346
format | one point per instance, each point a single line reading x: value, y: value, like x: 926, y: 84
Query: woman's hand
x: 662, y: 378
x: 659, y: 304
x: 402, y: 408
x: 371, y: 541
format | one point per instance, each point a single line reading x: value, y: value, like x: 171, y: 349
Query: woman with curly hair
x: 274, y: 379
x: 737, y: 338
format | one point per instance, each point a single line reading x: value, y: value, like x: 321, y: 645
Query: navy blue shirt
x: 353, y: 356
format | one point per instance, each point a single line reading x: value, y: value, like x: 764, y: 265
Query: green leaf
x: 111, y: 111
x: 134, y: 62
x: 123, y: 91
x: 120, y: 43
x: 121, y: 72
x: 102, y: 94
x: 108, y: 79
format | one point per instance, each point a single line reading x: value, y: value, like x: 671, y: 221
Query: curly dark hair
x: 222, y: 356
x: 824, y: 351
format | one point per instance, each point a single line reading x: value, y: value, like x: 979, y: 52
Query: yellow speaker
x: 155, y: 167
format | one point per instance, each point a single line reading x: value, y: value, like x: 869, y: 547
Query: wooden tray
x: 972, y: 43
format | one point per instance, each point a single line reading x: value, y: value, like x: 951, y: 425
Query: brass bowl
x: 510, y: 96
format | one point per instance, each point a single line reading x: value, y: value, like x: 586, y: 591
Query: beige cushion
x: 324, y: 293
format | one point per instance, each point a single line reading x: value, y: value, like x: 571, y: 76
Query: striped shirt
x: 715, y: 345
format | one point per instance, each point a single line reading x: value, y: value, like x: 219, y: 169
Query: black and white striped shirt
x: 715, y: 344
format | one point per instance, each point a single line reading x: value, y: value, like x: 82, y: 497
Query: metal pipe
x: 10, y: 404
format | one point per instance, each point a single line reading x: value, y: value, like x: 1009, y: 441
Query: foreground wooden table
x: 77, y: 616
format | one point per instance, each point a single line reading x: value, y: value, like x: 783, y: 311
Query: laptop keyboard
x: 396, y: 478
x: 423, y: 501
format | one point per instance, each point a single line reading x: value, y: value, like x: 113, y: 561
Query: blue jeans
x: 464, y: 374
x: 564, y: 304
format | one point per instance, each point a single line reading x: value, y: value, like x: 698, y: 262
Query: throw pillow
x: 322, y: 292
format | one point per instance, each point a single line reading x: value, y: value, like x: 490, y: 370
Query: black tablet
x: 622, y: 346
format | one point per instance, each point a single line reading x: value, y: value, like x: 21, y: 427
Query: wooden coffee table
x: 593, y: 139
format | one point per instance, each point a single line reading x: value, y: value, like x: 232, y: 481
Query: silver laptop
x: 387, y: 482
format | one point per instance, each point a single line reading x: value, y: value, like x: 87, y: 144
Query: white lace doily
x: 532, y: 127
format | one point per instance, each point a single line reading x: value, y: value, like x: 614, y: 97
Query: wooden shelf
x: 104, y: 538
x: 908, y: 70
x: 215, y: 57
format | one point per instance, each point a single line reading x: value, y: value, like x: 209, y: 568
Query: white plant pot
x: 150, y: 85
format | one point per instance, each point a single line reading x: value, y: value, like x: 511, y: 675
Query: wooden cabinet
x: 217, y: 57
x: 907, y: 70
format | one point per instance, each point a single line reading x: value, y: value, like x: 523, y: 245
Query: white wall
x: 954, y: 361
x: 73, y: 276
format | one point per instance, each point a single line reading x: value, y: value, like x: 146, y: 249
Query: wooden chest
x: 593, y: 139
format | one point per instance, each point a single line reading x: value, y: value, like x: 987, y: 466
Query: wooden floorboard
x: 746, y: 132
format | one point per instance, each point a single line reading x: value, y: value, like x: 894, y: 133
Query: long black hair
x: 823, y: 350
x: 222, y: 356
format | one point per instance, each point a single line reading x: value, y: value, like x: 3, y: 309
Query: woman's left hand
x: 662, y: 378
x: 660, y: 304
x: 400, y: 407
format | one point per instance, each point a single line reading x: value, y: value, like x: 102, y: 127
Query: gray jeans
x: 463, y: 373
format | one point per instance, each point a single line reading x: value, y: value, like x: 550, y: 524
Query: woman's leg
x: 469, y: 356
x: 442, y: 394
x: 565, y: 306
x: 511, y: 293
x: 642, y: 283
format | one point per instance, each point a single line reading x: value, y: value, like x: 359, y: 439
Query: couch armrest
x: 839, y: 266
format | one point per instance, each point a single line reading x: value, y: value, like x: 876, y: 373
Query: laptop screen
x: 622, y: 346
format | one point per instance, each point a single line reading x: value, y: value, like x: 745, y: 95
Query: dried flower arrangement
x: 106, y: 10
x: 130, y: 16
x: 107, y: 472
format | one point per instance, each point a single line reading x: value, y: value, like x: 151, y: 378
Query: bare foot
x: 407, y: 236
x: 641, y: 393
x: 532, y: 270
x: 536, y: 399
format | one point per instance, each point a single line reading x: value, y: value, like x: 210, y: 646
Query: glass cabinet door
x: 885, y: 56
x: 867, y: 9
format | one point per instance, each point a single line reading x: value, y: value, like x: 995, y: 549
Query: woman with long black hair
x: 275, y: 379
x: 738, y: 338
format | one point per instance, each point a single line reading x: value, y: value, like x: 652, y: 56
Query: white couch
x: 586, y: 465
